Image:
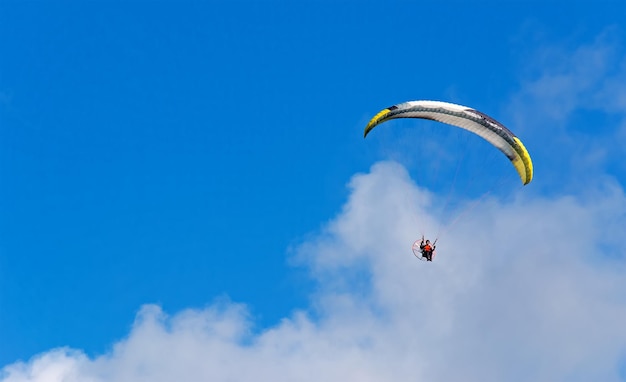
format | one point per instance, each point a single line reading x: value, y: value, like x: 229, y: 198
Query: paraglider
x: 472, y: 120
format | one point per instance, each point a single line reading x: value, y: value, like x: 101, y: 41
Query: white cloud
x: 518, y: 292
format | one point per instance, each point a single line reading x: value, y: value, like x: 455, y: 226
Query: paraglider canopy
x: 466, y: 118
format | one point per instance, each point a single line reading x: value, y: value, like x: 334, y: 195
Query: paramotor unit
x: 417, y: 251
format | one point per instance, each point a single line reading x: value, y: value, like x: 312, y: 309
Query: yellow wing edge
x: 524, y: 166
x: 378, y: 118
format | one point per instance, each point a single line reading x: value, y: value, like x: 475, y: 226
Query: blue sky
x: 204, y: 161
